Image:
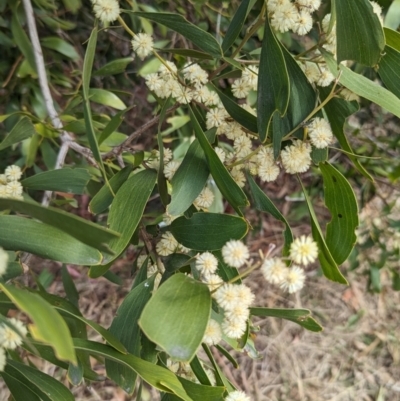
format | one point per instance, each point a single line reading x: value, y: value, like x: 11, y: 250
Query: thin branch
x: 117, y: 150
x: 66, y: 138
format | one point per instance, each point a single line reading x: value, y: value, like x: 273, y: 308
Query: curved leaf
x: 125, y: 327
x: 342, y: 203
x: 113, y: 67
x: 190, y: 178
x: 273, y: 82
x: 127, y: 209
x: 61, y: 46
x: 22, y: 129
x: 21, y: 234
x: 48, y: 326
x: 42, y: 385
x: 106, y: 98
x: 67, y: 180
x: 202, y: 39
x: 208, y: 231
x: 226, y: 184
x: 177, y: 315
x: 264, y: 204
x: 392, y: 38
x: 359, y: 32
x: 328, y: 264
x: 299, y: 316
x: 389, y: 70
x: 363, y: 86
x: 158, y: 377
x: 82, y: 230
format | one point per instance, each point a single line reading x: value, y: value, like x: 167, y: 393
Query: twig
x: 66, y: 139
x: 116, y: 151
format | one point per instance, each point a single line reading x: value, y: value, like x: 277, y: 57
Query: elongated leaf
x: 44, y: 386
x: 389, y: 69
x: 127, y: 209
x: 342, y: 203
x: 273, y: 82
x: 302, y: 97
x: 177, y: 315
x: 61, y: 46
x: 114, y: 67
x: 236, y: 24
x: 200, y: 392
x: 363, y: 86
x: 22, y: 130
x: 239, y: 114
x: 199, y: 371
x: 102, y: 200
x: 82, y: 230
x: 18, y: 390
x: 21, y: 234
x: 202, y: 39
x: 112, y: 125
x: 158, y: 377
x: 190, y: 178
x: 68, y: 180
x: 328, y: 264
x: 22, y: 40
x: 208, y: 231
x: 226, y: 184
x: 48, y: 326
x: 359, y: 32
x: 337, y: 111
x: 392, y: 38
x: 392, y: 17
x: 264, y: 204
x: 299, y: 316
x: 189, y: 53
x: 125, y: 327
x: 106, y: 98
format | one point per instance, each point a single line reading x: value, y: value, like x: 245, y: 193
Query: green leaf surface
x: 342, y: 204
x: 158, y: 377
x: 359, y: 32
x: 189, y: 53
x: 22, y: 40
x: 200, y: 392
x: 67, y: 180
x: 112, y: 125
x: 299, y: 316
x: 113, y: 67
x: 392, y: 38
x: 389, y: 70
x: 337, y: 111
x: 125, y: 327
x: 363, y: 86
x: 22, y: 130
x: 177, y: 315
x: 18, y: 390
x: 226, y: 184
x: 61, y: 46
x: 273, y: 82
x: 127, y: 209
x: 69, y: 287
x: 392, y: 17
x: 106, y: 98
x: 44, y: 386
x: 236, y: 24
x: 190, y: 178
x: 208, y: 231
x: 264, y: 204
x: 48, y: 326
x: 103, y: 199
x: 328, y: 264
x: 202, y: 39
x: 21, y: 234
x: 82, y: 230
x: 239, y: 114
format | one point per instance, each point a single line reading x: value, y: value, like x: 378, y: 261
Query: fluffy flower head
x: 294, y: 280
x: 304, y: 250
x: 13, y: 173
x: 142, y: 44
x: 235, y: 253
x: 237, y: 396
x: 320, y: 133
x: 206, y: 263
x: 106, y: 10
x: 274, y: 270
x: 213, y: 334
x: 10, y: 338
x: 205, y: 199
x: 297, y: 157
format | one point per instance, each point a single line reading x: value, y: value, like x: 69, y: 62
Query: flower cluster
x: 11, y: 336
x: 303, y: 250
x: 10, y: 187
